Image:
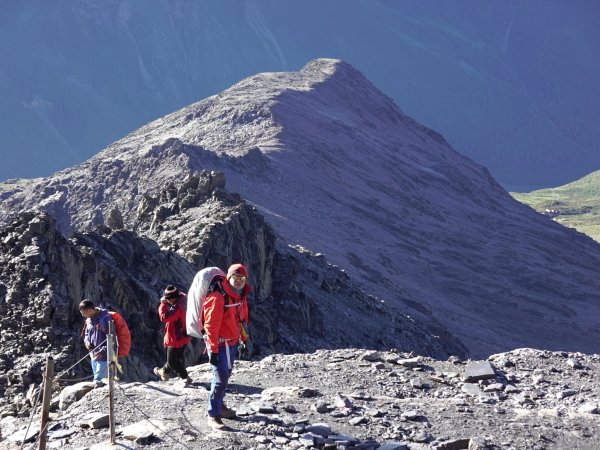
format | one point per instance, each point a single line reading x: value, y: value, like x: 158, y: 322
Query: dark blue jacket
x: 96, y: 329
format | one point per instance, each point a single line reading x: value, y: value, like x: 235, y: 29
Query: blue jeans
x: 220, y: 379
x: 100, y: 369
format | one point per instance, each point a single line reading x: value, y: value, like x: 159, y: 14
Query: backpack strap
x: 215, y: 286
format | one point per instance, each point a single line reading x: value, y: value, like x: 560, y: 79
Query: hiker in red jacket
x: 224, y: 311
x: 172, y: 313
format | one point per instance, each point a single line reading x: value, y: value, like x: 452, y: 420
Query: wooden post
x: 47, y: 395
x: 110, y: 355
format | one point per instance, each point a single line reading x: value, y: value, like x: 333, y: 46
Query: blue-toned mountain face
x: 334, y: 166
x: 511, y: 84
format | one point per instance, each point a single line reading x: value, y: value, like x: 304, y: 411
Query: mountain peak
x: 329, y: 67
x: 336, y: 167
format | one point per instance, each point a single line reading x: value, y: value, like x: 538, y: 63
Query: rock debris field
x: 345, y: 399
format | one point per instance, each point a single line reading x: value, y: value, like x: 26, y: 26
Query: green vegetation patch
x: 574, y: 205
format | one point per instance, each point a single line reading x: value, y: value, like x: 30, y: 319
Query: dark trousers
x: 176, y: 361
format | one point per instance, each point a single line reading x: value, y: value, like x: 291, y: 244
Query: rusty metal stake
x: 110, y: 354
x: 47, y: 395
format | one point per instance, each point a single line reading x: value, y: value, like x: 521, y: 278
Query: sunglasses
x: 238, y: 277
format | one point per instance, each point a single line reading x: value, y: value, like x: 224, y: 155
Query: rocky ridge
x: 299, y: 303
x: 525, y: 399
x: 335, y: 167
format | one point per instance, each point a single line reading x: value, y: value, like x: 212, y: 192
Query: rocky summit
x: 334, y: 166
x: 347, y: 399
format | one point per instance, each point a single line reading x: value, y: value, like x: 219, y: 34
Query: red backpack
x: 123, y: 334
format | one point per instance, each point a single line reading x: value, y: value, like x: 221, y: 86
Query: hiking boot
x: 227, y: 413
x: 187, y: 381
x: 162, y: 373
x: 215, y: 423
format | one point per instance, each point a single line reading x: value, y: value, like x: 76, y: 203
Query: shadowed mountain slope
x: 336, y: 167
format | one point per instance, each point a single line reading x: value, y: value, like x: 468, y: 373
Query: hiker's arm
x: 166, y: 314
x: 213, y: 316
x: 244, y: 311
x: 87, y: 337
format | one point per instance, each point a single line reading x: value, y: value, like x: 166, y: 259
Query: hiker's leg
x: 177, y: 362
x: 100, y: 369
x: 219, y: 382
x: 103, y: 369
x: 167, y: 367
x: 183, y: 365
x: 94, y: 368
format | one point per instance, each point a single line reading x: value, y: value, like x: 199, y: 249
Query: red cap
x: 237, y: 269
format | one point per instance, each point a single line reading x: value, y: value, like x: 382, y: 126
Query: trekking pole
x: 46, y: 403
x: 110, y: 351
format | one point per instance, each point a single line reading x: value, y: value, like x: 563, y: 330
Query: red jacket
x: 172, y: 314
x: 222, y: 322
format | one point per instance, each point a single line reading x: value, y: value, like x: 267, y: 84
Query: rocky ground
x: 349, y: 399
